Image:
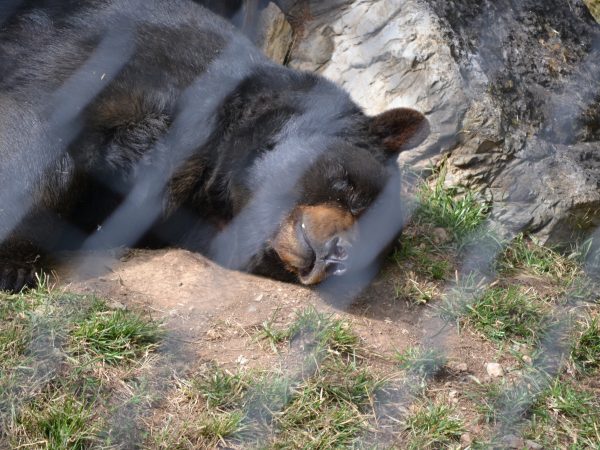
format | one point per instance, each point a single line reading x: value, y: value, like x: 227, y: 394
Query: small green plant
x: 421, y: 362
x: 524, y: 254
x: 508, y: 313
x: 221, y: 389
x: 585, y: 352
x: 114, y: 336
x: 565, y: 417
x: 217, y: 427
x: 323, y: 332
x: 441, y: 206
x: 432, y: 426
x: 65, y: 423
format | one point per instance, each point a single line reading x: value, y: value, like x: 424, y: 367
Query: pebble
x: 440, y: 235
x: 462, y: 367
x: 242, y: 361
x: 116, y: 305
x: 494, y: 370
x: 512, y: 441
x: 453, y: 396
x: 466, y: 439
x: 532, y: 445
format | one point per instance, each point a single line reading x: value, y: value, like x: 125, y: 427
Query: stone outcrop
x: 511, y: 87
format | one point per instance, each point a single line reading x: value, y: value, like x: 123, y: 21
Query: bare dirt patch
x: 218, y: 311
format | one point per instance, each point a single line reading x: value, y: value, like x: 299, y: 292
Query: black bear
x: 155, y: 122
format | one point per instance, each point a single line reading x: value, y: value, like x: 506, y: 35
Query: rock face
x: 511, y: 87
x: 274, y: 33
x: 387, y: 53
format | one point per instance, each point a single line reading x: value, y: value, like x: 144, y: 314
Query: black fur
x: 162, y: 109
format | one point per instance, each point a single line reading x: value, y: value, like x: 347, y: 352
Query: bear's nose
x: 336, y: 249
x: 335, y: 254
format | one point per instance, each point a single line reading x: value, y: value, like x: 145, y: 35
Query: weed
x: 585, y: 352
x: 221, y: 389
x: 507, y: 313
x: 524, y: 254
x: 566, y: 417
x: 433, y: 425
x: 443, y: 206
x: 114, y: 336
x: 424, y: 363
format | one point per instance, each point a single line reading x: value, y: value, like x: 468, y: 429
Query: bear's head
x: 316, y: 238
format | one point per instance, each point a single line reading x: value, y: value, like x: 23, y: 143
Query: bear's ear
x: 400, y: 128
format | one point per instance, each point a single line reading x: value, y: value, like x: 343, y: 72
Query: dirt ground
x: 215, y: 313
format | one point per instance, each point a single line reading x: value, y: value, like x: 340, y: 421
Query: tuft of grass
x: 432, y: 426
x: 525, y: 254
x: 114, y: 336
x: 413, y: 290
x: 505, y: 403
x: 446, y: 207
x: 565, y: 416
x: 585, y: 351
x: 220, y: 389
x: 62, y: 423
x: 218, y: 427
x: 328, y: 410
x: 425, y: 256
x: 322, y: 331
x: 424, y: 363
x: 502, y: 314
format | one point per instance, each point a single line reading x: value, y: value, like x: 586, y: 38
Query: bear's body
x: 129, y: 120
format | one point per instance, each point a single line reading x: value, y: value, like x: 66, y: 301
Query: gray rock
x: 512, y: 441
x: 387, y: 53
x: 275, y: 35
x: 532, y: 445
x: 494, y: 370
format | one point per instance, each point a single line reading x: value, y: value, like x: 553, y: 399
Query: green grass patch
x: 51, y: 397
x: 421, y: 362
x: 505, y: 403
x: 65, y: 422
x: 585, y: 352
x: 322, y: 331
x: 565, y: 416
x: 433, y: 426
x: 502, y: 314
x: 114, y: 336
x: 324, y: 404
x: 461, y: 213
x: 523, y: 254
x: 328, y: 410
x: 220, y: 389
x: 218, y: 427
